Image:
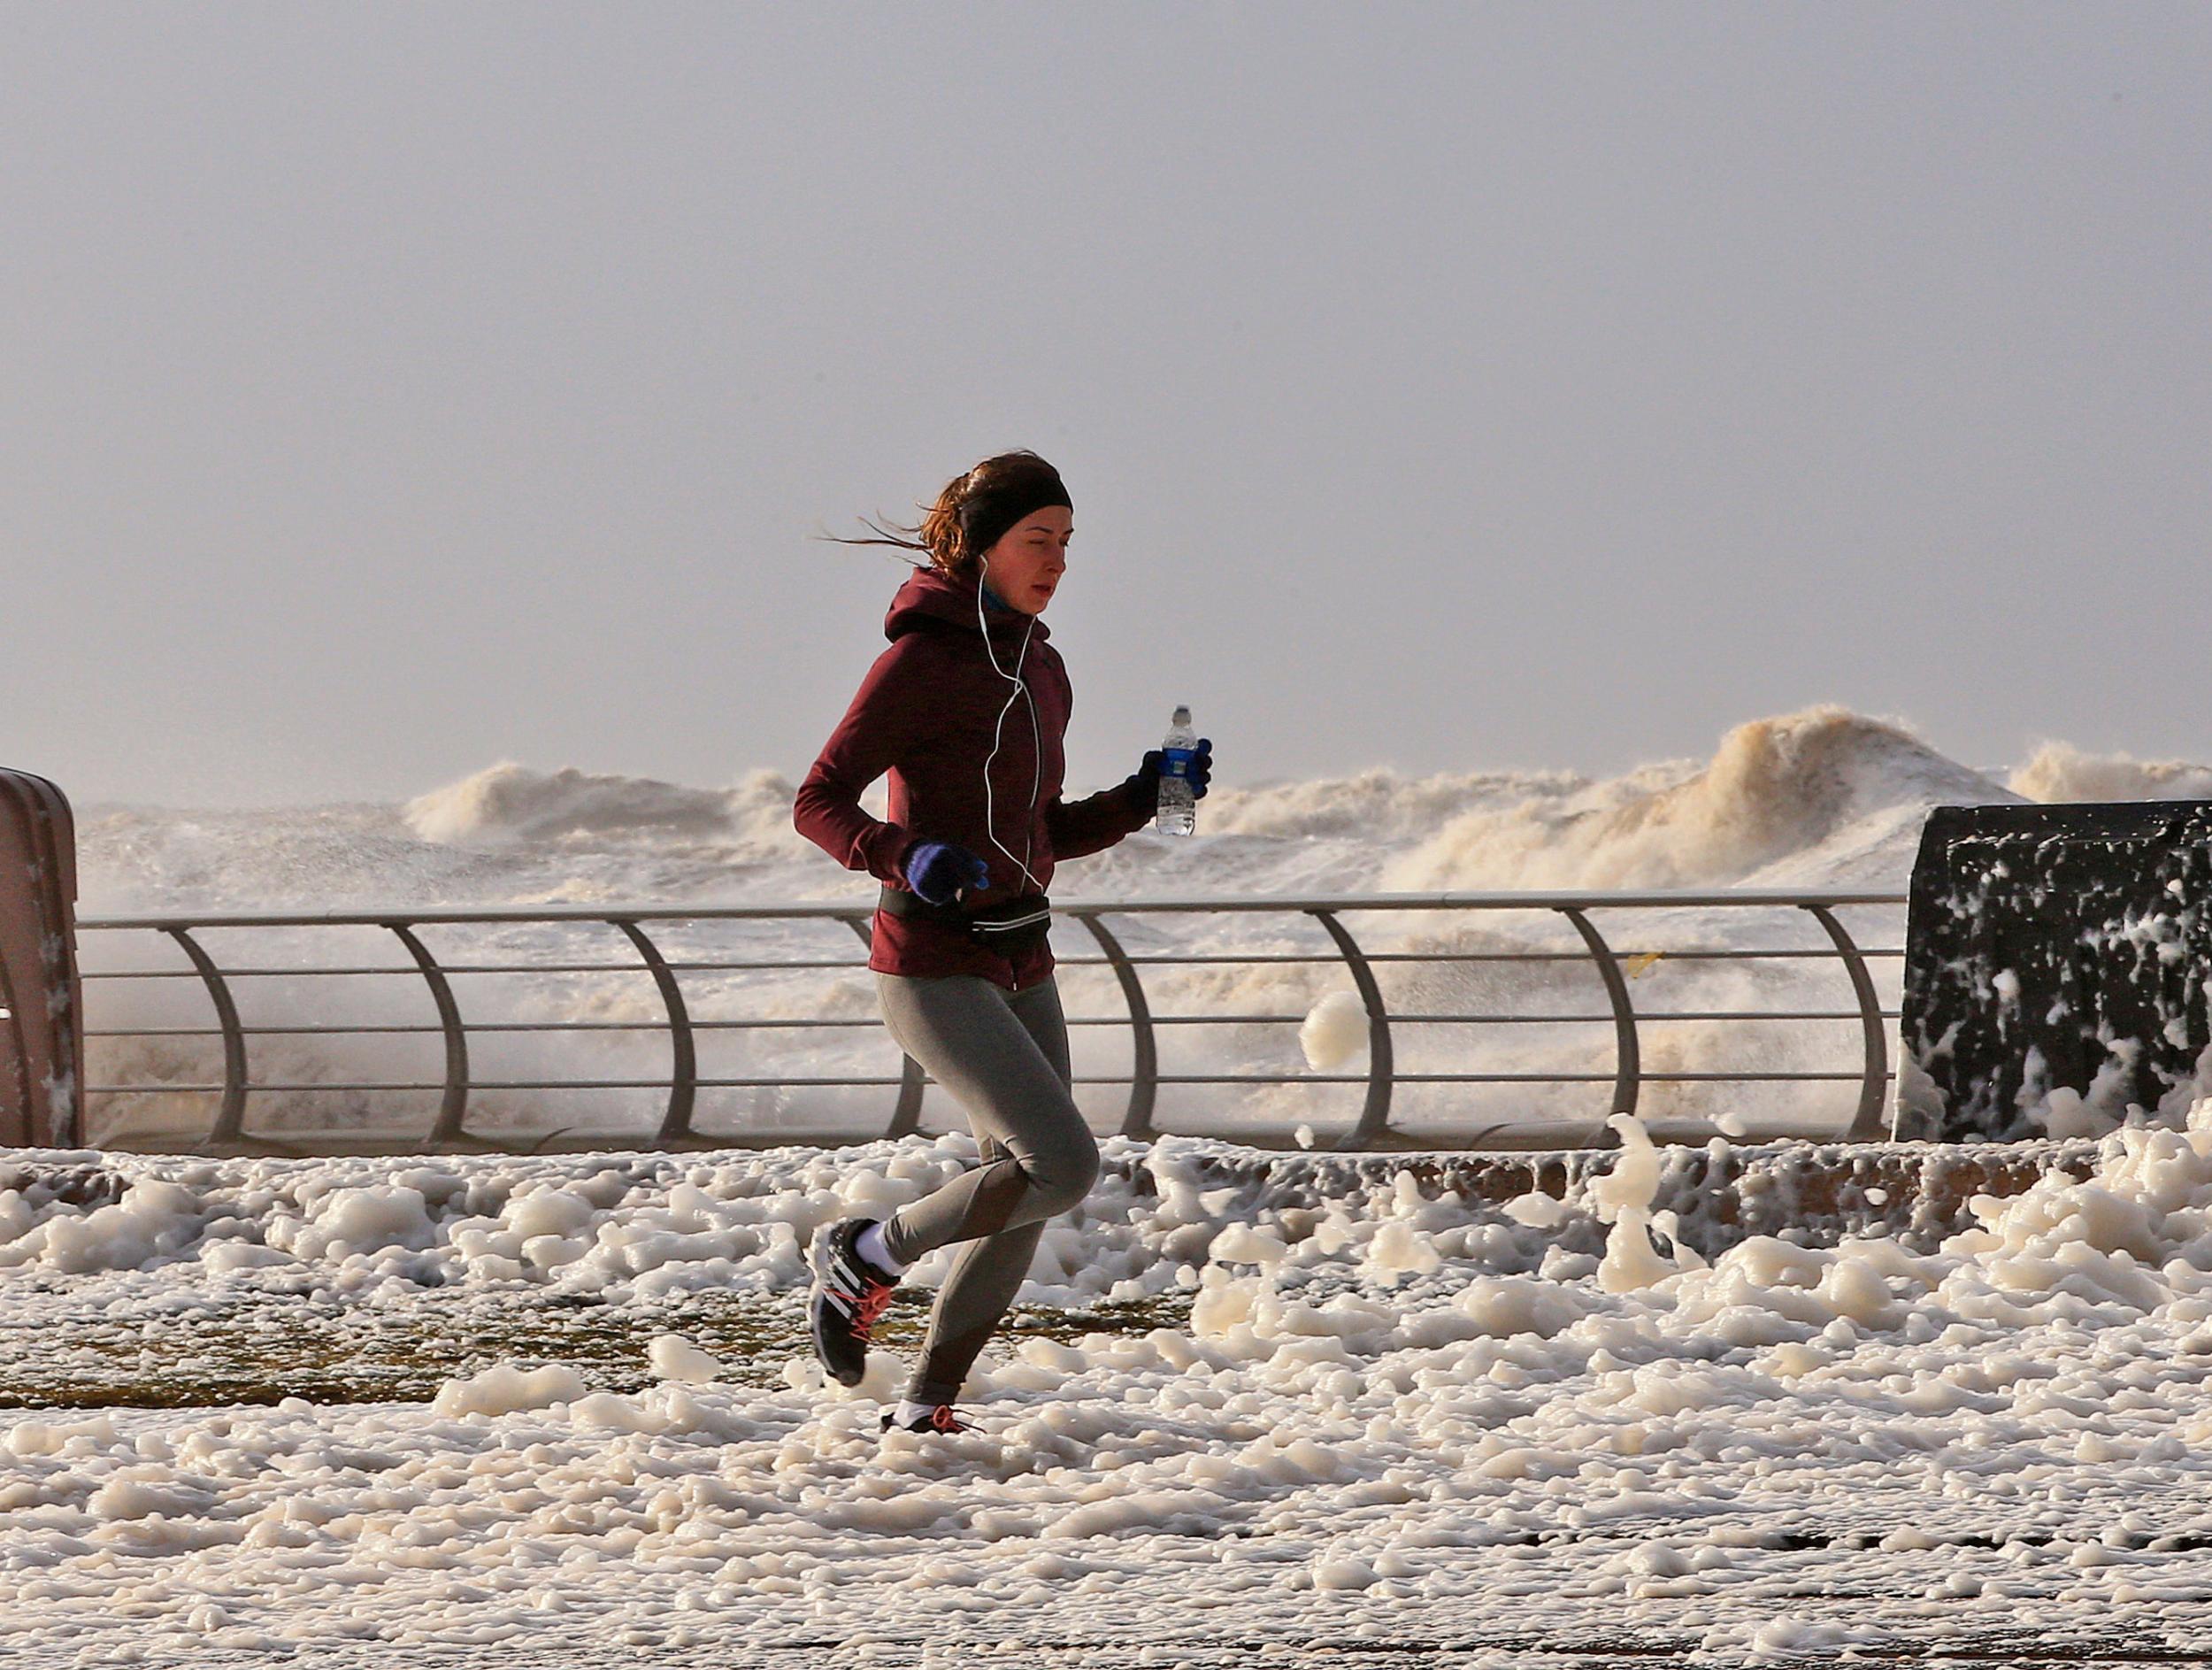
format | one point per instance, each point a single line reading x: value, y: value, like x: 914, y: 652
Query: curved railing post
x: 1374, y: 1119
x: 906, y: 1118
x: 1628, y: 1066
x: 1144, y: 1055
x: 454, y: 1104
x: 1866, y: 1125
x: 230, y: 1118
x: 683, y: 1062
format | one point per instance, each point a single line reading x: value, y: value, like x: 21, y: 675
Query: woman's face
x: 1025, y: 567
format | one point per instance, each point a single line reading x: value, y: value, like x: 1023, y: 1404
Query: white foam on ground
x: 1394, y: 1413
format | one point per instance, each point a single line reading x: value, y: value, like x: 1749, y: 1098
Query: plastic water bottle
x: 1178, y: 811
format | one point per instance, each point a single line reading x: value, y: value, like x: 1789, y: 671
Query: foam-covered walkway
x: 1397, y: 1414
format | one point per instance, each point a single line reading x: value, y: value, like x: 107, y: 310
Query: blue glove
x: 937, y: 870
x: 1200, y: 772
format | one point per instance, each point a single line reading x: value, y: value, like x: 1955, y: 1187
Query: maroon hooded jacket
x: 926, y: 713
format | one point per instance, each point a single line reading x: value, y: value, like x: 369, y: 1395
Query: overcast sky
x: 390, y: 390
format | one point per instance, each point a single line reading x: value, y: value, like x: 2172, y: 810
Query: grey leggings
x: 1004, y: 1057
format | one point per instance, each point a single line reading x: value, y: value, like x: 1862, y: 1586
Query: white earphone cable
x: 1020, y: 692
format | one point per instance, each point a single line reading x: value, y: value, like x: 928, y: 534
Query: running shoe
x: 847, y: 1295
x: 921, y: 1418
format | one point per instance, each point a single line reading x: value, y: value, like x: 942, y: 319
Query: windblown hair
x: 944, y: 534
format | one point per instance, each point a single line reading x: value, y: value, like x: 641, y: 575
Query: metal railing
x: 1614, y: 966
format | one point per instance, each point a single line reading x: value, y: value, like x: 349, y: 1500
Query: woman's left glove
x: 1201, y: 766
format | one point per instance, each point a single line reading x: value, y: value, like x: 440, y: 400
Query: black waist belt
x: 1008, y: 929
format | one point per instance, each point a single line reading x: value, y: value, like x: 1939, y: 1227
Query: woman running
x: 967, y: 710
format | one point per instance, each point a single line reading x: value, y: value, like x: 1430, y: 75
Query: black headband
x: 985, y: 516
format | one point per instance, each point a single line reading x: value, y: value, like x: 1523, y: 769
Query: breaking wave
x: 1824, y: 795
x: 2058, y: 771
x: 1821, y: 797
x: 509, y: 804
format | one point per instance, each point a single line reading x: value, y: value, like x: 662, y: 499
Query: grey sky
x: 390, y: 390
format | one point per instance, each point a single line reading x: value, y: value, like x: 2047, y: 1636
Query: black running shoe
x: 847, y: 1295
x: 942, y: 1418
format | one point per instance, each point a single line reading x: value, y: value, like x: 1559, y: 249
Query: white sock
x: 869, y: 1244
x: 907, y: 1413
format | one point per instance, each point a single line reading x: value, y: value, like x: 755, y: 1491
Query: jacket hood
x: 929, y: 595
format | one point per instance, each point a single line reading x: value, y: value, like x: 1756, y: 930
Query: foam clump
x: 1622, y: 1198
x: 155, y: 1219
x: 503, y: 1389
x: 1334, y: 1030
x: 2064, y: 1112
x: 2135, y: 1234
x: 673, y: 1357
x: 364, y: 1220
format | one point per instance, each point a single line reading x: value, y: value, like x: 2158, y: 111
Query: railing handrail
x: 833, y: 910
x: 1614, y: 966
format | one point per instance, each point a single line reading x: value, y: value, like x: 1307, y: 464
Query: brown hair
x: 972, y: 511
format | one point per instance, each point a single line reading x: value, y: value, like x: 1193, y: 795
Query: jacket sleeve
x: 1099, y: 820
x: 870, y: 740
